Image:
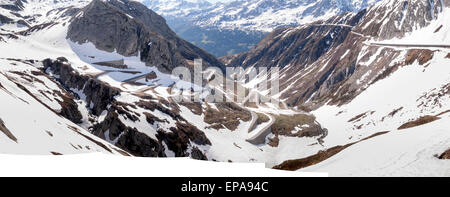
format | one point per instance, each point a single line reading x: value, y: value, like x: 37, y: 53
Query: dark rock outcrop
x: 101, y: 95
x: 97, y: 92
x: 131, y: 29
x: 5, y: 20
x: 15, y: 5
x: 180, y: 137
x: 129, y: 139
x: 198, y: 154
x: 69, y: 109
x: 6, y: 131
x: 445, y: 155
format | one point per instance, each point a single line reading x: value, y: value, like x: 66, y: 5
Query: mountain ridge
x: 138, y: 28
x: 356, y: 96
x: 227, y: 28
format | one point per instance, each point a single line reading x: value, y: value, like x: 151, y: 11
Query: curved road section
x: 411, y: 45
x: 258, y: 136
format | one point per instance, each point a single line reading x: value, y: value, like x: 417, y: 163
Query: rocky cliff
x: 101, y: 96
x: 394, y: 19
x: 333, y: 61
x: 131, y: 29
x: 298, y: 46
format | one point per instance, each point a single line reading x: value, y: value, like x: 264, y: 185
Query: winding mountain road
x: 259, y: 137
x: 253, y: 122
x: 334, y: 25
x: 411, y: 45
x: 256, y: 135
x: 136, y: 78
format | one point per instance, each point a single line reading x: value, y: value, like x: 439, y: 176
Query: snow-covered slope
x: 368, y: 95
x: 371, y: 83
x: 34, y: 104
x: 130, y: 104
x: 30, y: 116
x: 410, y: 95
x: 436, y: 32
x: 410, y: 152
x: 407, y: 95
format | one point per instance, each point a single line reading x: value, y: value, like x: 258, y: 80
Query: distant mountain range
x: 236, y: 26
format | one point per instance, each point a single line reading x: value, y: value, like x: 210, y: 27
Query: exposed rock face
x: 445, y: 155
x: 97, y: 93
x: 198, y: 154
x: 69, y: 109
x: 5, y: 20
x: 131, y: 140
x: 141, y: 13
x: 180, y: 139
x: 6, y: 131
x: 298, y: 46
x: 14, y: 5
x: 393, y: 19
x: 331, y: 61
x: 131, y: 29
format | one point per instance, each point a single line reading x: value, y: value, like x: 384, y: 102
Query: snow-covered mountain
x: 38, y: 115
x: 256, y: 15
x: 226, y: 28
x: 362, y: 94
x: 104, y: 79
x: 377, y: 80
x: 177, y: 7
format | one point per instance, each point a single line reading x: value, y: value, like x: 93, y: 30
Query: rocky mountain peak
x: 140, y: 12
x: 131, y: 29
